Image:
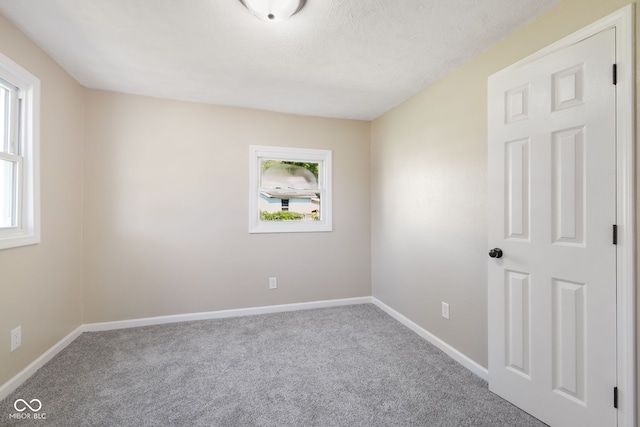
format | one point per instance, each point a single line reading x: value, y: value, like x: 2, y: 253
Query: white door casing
x: 552, y: 297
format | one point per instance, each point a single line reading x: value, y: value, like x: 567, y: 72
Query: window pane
x: 289, y: 191
x: 4, y: 119
x: 7, y: 193
x: 290, y: 175
x: 274, y: 208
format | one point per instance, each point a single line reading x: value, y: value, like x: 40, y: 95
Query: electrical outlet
x: 273, y: 282
x: 16, y: 338
x: 445, y: 310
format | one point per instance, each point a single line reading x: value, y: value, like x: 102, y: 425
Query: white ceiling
x: 335, y: 58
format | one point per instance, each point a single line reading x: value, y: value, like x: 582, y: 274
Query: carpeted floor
x: 345, y: 366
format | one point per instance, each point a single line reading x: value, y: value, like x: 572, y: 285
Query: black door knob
x: 495, y: 253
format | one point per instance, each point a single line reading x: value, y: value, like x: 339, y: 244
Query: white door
x: 552, y: 208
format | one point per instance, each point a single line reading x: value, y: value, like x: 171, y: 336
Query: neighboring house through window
x: 290, y: 190
x: 19, y: 178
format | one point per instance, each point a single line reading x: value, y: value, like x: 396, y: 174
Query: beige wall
x: 430, y: 153
x: 40, y: 285
x: 165, y: 210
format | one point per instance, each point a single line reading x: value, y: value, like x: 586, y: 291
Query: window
x: 290, y: 190
x: 19, y: 213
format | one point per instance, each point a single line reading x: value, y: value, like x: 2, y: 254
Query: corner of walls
x: 85, y: 95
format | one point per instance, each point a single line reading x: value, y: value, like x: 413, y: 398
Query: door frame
x: 623, y: 21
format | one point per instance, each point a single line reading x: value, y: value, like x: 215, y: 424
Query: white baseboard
x: 9, y: 387
x: 160, y: 320
x: 456, y: 355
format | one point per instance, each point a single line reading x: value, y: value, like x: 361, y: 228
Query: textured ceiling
x: 335, y: 58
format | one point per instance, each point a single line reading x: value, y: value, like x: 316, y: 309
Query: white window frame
x: 323, y: 157
x: 27, y: 228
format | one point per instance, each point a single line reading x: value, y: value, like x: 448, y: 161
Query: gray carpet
x: 346, y: 366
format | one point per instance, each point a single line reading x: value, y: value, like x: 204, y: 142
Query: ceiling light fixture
x: 273, y: 10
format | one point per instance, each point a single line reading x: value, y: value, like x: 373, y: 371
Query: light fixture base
x: 274, y: 10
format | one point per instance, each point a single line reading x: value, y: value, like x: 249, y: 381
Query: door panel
x: 569, y: 356
x: 552, y: 296
x: 568, y: 187
x: 517, y: 181
x: 518, y: 336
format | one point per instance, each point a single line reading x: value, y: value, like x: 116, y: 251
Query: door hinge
x: 615, y: 74
x: 615, y: 234
x: 615, y: 397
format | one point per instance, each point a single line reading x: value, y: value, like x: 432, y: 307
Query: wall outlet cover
x: 445, y: 310
x: 16, y: 338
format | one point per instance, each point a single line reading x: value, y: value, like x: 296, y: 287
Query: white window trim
x: 258, y: 152
x: 28, y: 230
